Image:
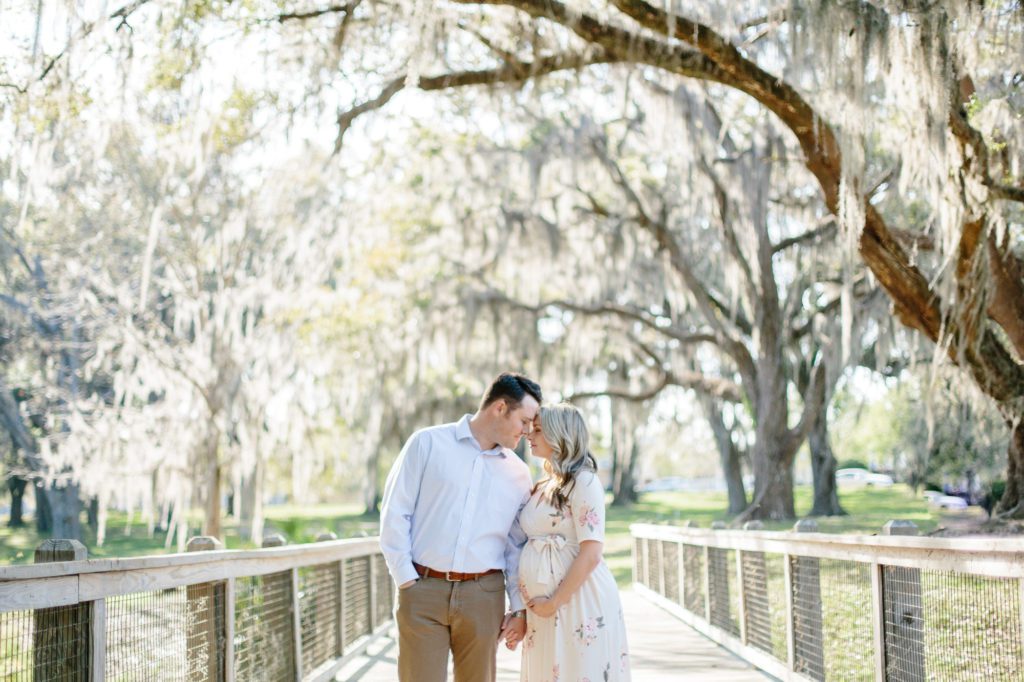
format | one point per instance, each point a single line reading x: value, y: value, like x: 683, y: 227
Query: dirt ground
x: 972, y: 522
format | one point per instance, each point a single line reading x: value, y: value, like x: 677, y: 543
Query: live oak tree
x: 725, y: 289
x: 834, y: 75
x: 961, y: 167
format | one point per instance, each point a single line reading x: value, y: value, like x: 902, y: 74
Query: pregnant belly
x: 542, y: 565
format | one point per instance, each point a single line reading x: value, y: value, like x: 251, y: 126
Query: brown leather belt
x: 451, y: 576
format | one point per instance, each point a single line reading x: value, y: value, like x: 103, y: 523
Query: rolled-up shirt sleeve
x: 513, y: 549
x: 397, y: 506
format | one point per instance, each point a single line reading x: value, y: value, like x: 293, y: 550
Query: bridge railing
x: 283, y: 612
x: 813, y: 606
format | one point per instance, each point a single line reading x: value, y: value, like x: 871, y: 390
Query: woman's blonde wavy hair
x: 565, y: 429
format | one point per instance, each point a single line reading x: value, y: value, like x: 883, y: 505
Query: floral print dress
x: 585, y: 641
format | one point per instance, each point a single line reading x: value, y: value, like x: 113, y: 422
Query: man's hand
x: 406, y: 585
x: 513, y: 629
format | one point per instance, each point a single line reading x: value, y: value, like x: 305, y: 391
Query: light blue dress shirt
x: 451, y: 506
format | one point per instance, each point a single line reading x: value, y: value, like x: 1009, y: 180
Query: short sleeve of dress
x: 586, y: 501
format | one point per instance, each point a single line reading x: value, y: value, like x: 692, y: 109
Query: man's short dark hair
x: 512, y: 388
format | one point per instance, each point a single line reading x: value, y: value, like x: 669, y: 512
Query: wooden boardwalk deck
x: 661, y: 648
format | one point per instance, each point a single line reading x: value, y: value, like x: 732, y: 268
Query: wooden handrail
x: 329, y: 551
x: 209, y: 579
x: 897, y: 591
x: 1000, y: 558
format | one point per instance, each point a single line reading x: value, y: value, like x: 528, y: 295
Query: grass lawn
x: 868, y: 508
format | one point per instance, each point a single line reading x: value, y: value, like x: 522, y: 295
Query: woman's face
x: 539, y: 445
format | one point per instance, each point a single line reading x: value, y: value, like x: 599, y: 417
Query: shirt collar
x: 463, y: 432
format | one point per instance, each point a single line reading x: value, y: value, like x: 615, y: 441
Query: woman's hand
x: 545, y: 607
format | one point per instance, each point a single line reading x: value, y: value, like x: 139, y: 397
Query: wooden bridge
x: 660, y: 651
x: 705, y: 604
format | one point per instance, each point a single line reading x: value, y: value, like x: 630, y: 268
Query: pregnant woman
x: 574, y: 624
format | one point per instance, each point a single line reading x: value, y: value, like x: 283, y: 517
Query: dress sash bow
x: 549, y: 548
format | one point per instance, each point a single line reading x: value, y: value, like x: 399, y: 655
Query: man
x: 451, y: 538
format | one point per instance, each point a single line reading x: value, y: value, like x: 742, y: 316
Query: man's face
x: 517, y: 422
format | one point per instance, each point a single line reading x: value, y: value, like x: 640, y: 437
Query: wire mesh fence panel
x: 903, y: 623
x: 775, y: 566
x: 757, y: 609
x: 46, y: 644
x: 206, y: 631
x: 847, y: 630
x: 654, y: 565
x: 264, y: 640
x: 734, y: 592
x: 807, y: 621
x: 16, y: 645
x: 972, y: 627
x: 693, y: 579
x: 720, y: 572
x: 639, y: 565
x: 670, y: 561
x: 172, y: 634
x: 385, y: 591
x: 319, y: 601
x: 356, y: 600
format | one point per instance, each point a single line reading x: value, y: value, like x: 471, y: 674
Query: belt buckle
x: 448, y: 577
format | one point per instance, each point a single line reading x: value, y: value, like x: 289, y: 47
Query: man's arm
x: 514, y: 544
x: 400, y: 493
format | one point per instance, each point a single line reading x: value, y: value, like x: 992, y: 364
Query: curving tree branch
x: 509, y: 72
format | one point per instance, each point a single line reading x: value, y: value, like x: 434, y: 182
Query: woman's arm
x: 582, y: 566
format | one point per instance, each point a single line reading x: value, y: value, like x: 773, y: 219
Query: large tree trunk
x: 66, y: 511
x: 371, y: 483
x: 729, y: 456
x: 16, y: 484
x: 773, y: 484
x: 1011, y: 505
x: 373, y: 443
x: 25, y: 445
x: 92, y: 512
x: 823, y: 469
x: 44, y: 516
x: 214, y: 474
x: 626, y: 456
x: 250, y: 503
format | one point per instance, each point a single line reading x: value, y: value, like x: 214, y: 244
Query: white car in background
x: 937, y: 499
x: 950, y: 502
x: 857, y: 478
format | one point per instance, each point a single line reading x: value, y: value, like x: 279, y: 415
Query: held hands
x: 513, y: 629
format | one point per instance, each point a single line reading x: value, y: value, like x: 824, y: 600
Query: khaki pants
x: 435, y: 616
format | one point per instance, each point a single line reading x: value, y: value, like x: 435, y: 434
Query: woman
x: 574, y: 625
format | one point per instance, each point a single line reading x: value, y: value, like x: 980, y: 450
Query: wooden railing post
x: 707, y: 583
x: 342, y: 611
x: 206, y: 622
x: 878, y: 620
x: 635, y: 551
x: 787, y: 579
x: 903, y: 615
x: 681, y: 571
x: 373, y: 594
x: 661, y: 567
x: 645, y: 553
x: 63, y: 636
